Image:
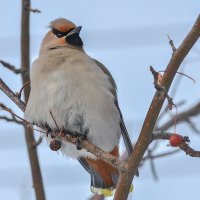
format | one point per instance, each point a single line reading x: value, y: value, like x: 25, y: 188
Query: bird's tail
x: 104, y: 177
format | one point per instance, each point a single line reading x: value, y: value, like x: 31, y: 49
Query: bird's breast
x: 75, y: 87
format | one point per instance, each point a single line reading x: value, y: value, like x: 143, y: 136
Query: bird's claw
x: 80, y: 138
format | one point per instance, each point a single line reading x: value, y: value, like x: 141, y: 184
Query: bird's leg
x: 47, y: 129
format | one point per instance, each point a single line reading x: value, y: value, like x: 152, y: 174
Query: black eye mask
x: 60, y: 34
x: 73, y: 39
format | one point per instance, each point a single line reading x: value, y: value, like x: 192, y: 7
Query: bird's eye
x: 58, y: 33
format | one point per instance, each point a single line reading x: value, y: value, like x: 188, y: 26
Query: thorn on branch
x: 12, y: 68
x: 171, y: 44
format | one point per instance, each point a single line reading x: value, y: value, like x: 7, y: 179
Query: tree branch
x: 160, y: 155
x: 163, y: 135
x: 13, y: 119
x: 25, y: 64
x: 144, y: 140
x: 184, y: 146
x: 12, y: 95
x: 12, y: 68
x: 181, y: 117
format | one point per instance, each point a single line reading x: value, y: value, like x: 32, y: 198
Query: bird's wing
x: 125, y: 135
x: 124, y: 132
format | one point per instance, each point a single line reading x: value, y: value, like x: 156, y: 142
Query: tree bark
x: 25, y: 64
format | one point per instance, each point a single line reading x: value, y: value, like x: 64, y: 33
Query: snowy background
x: 127, y: 36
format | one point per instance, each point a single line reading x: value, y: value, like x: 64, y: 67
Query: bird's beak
x: 76, y: 30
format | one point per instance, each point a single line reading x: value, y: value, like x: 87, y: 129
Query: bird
x: 74, y: 92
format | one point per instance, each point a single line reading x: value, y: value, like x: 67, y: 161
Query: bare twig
x: 171, y: 43
x: 144, y: 140
x: 151, y: 158
x: 153, y: 169
x: 173, y: 92
x: 181, y: 103
x: 12, y: 95
x: 181, y: 117
x: 163, y: 135
x: 23, y: 121
x: 152, y: 165
x: 53, y: 119
x: 160, y: 89
x: 3, y: 107
x: 189, y: 151
x: 192, y: 125
x: 12, y: 67
x: 13, y: 119
x: 161, y: 155
x: 184, y: 146
x: 34, y: 10
x: 99, y: 153
x: 19, y: 94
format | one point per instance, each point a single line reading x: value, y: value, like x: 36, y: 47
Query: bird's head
x: 63, y: 33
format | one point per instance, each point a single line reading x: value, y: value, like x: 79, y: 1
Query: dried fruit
x: 176, y: 140
x: 55, y: 145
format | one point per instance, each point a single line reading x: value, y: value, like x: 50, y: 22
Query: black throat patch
x: 74, y: 40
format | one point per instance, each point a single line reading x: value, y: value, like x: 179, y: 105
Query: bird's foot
x: 80, y: 138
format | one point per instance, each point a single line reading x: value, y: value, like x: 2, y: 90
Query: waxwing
x: 80, y: 93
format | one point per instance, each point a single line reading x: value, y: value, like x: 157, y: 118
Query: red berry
x: 55, y: 145
x: 176, y: 140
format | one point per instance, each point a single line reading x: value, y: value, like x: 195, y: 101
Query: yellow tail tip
x: 106, y: 192
x: 131, y: 188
